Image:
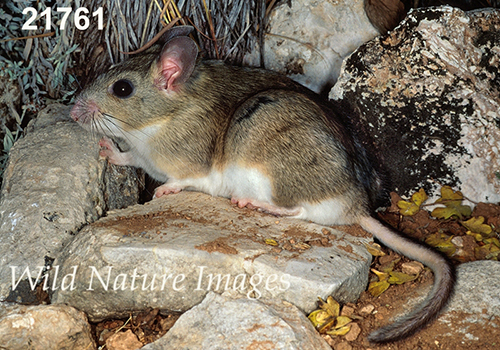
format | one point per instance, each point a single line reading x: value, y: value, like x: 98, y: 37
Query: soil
x: 437, y: 335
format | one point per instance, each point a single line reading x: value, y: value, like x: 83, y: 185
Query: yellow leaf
x: 493, y: 241
x: 270, y: 241
x: 452, y: 209
x: 448, y: 194
x: 382, y: 276
x: 412, y: 207
x: 419, y: 197
x: 488, y: 251
x: 477, y: 225
x: 408, y: 208
x: 442, y: 242
x: 477, y: 236
x: 400, y: 278
x: 453, y: 205
x: 318, y: 317
x: 325, y: 326
x: 313, y: 315
x: 377, y: 288
x: 374, y: 249
x: 443, y: 213
x: 340, y: 331
x: 331, y: 306
x: 342, y: 321
x: 493, y: 256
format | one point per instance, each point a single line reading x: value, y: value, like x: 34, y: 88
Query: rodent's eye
x: 123, y: 88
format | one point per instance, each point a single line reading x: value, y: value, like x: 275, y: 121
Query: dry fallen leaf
x: 400, y: 277
x: 374, y: 249
x: 488, y: 251
x: 442, y: 242
x: 493, y: 241
x: 453, y: 207
x: 388, y: 267
x: 477, y: 225
x: 477, y: 236
x: 413, y: 206
x: 388, y: 277
x: 342, y: 321
x: 340, y: 331
x: 332, y: 307
x: 270, y: 241
x: 382, y: 276
x: 327, y: 319
x: 378, y: 287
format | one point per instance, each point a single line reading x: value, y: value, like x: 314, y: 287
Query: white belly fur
x: 328, y: 212
x: 249, y: 183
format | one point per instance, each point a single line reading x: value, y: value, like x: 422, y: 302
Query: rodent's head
x: 135, y: 93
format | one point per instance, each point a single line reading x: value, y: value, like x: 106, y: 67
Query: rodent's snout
x: 82, y: 111
x: 76, y: 112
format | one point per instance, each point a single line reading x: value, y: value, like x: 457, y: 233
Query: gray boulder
x: 428, y: 98
x: 53, y: 185
x: 308, y: 39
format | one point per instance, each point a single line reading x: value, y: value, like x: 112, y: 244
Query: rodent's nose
x: 76, y: 111
x: 84, y: 111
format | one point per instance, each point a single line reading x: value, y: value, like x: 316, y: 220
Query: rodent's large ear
x: 175, y: 32
x: 177, y: 61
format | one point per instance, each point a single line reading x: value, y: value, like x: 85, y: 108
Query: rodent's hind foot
x: 166, y: 189
x: 265, y: 207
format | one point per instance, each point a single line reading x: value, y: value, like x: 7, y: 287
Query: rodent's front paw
x: 114, y: 155
x: 166, y: 189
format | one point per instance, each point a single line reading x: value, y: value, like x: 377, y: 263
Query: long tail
x: 444, y: 279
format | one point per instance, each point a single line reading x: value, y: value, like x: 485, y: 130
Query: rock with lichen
x: 428, y: 98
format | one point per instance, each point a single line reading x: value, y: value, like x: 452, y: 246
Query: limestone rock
x: 52, y: 187
x: 221, y: 322
x: 170, y: 252
x: 476, y: 291
x: 475, y: 303
x: 44, y: 327
x: 308, y: 39
x: 428, y: 97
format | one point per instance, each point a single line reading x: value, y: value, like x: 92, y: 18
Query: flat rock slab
x: 221, y: 322
x: 170, y: 252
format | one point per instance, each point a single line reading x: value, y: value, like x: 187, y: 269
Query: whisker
x: 100, y: 123
x: 112, y: 118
